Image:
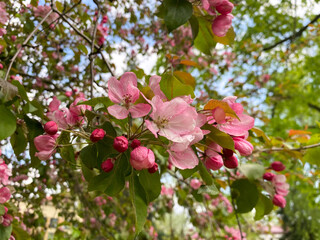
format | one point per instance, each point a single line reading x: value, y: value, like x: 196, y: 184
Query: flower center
x: 161, y: 123
x: 126, y: 98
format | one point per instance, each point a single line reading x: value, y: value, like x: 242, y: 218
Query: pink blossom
x: 213, y: 160
x: 195, y: 184
x: 186, y: 159
x: 244, y: 147
x: 107, y: 165
x: 46, y: 145
x: 279, y: 182
x: 7, y: 219
x: 5, y: 172
x: 51, y: 128
x: 112, y: 218
x: 4, y: 16
x: 78, y: 111
x: 235, y: 233
x: 224, y: 7
x: 279, y: 201
x: 68, y: 93
x: 1, y: 66
x: 232, y: 125
x: 135, y: 143
x: 221, y: 25
x: 60, y: 68
x: 142, y: 158
x: 2, y: 31
x: 5, y: 194
x: 20, y: 178
x: 120, y: 144
x: 100, y: 201
x: 278, y: 166
x: 42, y: 11
x: 125, y: 93
x: 154, y: 84
x: 166, y: 191
x: 174, y: 120
x: 268, y: 176
x: 97, y: 135
x: 231, y: 162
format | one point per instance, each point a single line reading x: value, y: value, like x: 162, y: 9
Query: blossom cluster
x: 5, y: 194
x: 222, y: 23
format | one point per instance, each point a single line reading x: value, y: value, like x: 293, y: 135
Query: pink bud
x: 195, y: 184
x: 13, y: 38
x: 97, y: 135
x: 142, y: 158
x: 1, y: 66
x: 51, y: 128
x: 107, y: 165
x: 104, y: 19
x: 214, y: 163
x: 135, y: 143
x: 278, y: 166
x: 224, y: 7
x: 120, y: 144
x: 68, y: 93
x: 268, y: 176
x: 227, y: 153
x: 221, y: 25
x: 244, y: 147
x: 231, y: 162
x: 153, y: 169
x: 7, y: 219
x: 279, y: 201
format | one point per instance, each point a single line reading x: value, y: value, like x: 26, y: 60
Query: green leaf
x: 263, y: 207
x: 151, y: 184
x: 252, y: 171
x: 211, y: 190
x: 312, y: 156
x: 34, y: 129
x: 89, y: 156
x: 5, y: 232
x: 197, y: 196
x: 228, y: 39
x: 186, y: 173
x: 59, y: 6
x: 247, y: 195
x: 206, y: 177
x: 83, y: 49
x: 109, y: 129
x: 18, y: 141
x: 219, y: 137
x: 177, y: 13
x: 87, y: 173
x: 139, y: 202
x: 105, y: 150
x: 94, y: 101
x: 8, y: 90
x: 172, y: 87
x: 66, y: 152
x: 2, y: 210
x: 21, y: 90
x: 112, y: 182
x: 194, y: 26
x: 7, y: 122
x: 204, y: 40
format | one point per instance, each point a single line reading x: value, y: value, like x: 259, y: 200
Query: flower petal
x: 140, y: 110
x: 118, y: 111
x: 184, y: 160
x: 116, y: 90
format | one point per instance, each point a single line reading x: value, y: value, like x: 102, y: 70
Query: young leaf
x: 7, y: 122
x: 204, y: 40
x: 151, y: 184
x: 219, y: 137
x: 252, y: 171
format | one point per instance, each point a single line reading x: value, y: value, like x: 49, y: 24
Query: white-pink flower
x: 5, y: 194
x: 46, y: 145
x: 281, y: 187
x: 125, y: 93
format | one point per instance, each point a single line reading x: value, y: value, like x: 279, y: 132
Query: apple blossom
x: 142, y: 158
x: 244, y: 147
x: 5, y: 194
x: 222, y: 24
x: 125, y: 93
x: 46, y: 145
x: 195, y: 184
x: 120, y: 144
x: 279, y: 201
x: 51, y: 128
x: 97, y: 135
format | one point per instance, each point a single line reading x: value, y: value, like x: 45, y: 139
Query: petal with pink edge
x: 184, y: 160
x: 140, y: 110
x: 154, y: 84
x: 118, y: 111
x: 152, y: 127
x: 116, y: 90
x: 128, y: 78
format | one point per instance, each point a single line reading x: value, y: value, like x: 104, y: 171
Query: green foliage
x: 177, y: 13
x: 221, y: 138
x: 252, y: 171
x: 264, y: 207
x: 151, y: 184
x: 205, y: 38
x: 246, y: 195
x: 5, y: 232
x: 7, y: 122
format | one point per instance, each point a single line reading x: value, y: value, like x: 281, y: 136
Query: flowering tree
x: 123, y: 148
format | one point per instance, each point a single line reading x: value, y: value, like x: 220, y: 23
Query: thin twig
x: 234, y: 207
x: 288, y: 149
x: 24, y: 43
x: 85, y: 38
x: 91, y: 55
x: 293, y: 36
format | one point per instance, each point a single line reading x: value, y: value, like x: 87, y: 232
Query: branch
x: 84, y: 37
x: 293, y: 36
x: 288, y: 149
x: 314, y: 106
x: 92, y: 55
x: 24, y: 43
